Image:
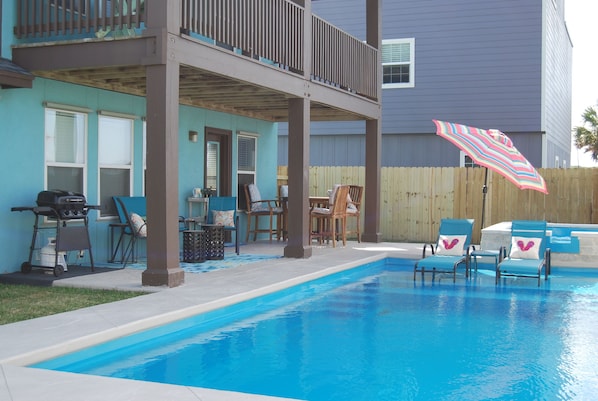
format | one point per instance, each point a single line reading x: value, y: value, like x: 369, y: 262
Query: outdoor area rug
x: 45, y: 277
x: 230, y: 260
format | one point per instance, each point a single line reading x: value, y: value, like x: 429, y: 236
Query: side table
x: 203, y: 208
x: 496, y: 254
x: 194, y: 246
x: 214, y: 241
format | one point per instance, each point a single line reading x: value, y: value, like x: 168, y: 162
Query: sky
x: 580, y: 16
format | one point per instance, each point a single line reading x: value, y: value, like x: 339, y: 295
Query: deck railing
x: 61, y: 19
x: 270, y: 31
x: 343, y: 60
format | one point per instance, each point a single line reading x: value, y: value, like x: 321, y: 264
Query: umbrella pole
x: 484, y: 192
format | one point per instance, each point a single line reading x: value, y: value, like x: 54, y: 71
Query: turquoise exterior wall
x: 22, y: 157
x: 6, y: 28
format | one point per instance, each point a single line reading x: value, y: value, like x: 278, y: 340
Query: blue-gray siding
x: 557, y: 81
x: 398, y: 150
x: 477, y: 62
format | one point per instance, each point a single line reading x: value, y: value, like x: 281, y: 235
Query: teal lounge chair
x: 451, y: 250
x: 528, y: 254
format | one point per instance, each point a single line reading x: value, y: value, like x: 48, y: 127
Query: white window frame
x: 254, y: 137
x: 466, y: 161
x: 117, y: 166
x: 212, y: 166
x: 410, y: 63
x: 50, y: 141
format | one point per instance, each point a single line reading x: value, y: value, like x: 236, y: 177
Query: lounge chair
x: 528, y: 254
x: 451, y: 250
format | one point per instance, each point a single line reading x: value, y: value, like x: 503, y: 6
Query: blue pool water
x: 373, y: 334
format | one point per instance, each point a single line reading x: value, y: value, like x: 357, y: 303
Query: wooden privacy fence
x: 414, y: 199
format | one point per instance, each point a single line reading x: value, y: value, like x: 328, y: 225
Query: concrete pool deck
x: 30, y: 341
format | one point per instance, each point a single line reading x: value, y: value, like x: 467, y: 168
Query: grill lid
x: 68, y: 205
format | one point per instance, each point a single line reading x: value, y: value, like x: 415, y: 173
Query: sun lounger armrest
x: 426, y: 247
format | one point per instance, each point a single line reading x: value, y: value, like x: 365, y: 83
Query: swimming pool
x: 372, y: 333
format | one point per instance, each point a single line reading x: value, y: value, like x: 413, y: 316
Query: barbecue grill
x: 65, y: 205
x: 60, y: 206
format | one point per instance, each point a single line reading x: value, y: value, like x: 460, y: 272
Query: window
x: 466, y: 161
x: 398, y: 63
x: 213, y: 166
x: 246, y: 160
x: 115, y: 160
x: 64, y: 147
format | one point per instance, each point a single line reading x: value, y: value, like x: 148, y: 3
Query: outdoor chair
x: 354, y: 209
x: 222, y: 210
x: 451, y: 249
x: 283, y: 199
x: 136, y: 204
x: 261, y: 208
x: 528, y: 254
x: 136, y: 226
x: 332, y: 220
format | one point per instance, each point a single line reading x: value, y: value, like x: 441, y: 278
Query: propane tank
x: 48, y: 255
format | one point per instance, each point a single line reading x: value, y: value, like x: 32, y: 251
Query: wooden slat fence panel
x: 413, y: 200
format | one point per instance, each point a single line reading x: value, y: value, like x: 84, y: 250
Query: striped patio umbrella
x: 495, y: 151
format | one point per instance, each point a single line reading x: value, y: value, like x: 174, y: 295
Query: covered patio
x: 189, y: 52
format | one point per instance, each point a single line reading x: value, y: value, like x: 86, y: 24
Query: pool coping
x: 24, y: 343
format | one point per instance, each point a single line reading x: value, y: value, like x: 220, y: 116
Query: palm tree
x: 586, y: 136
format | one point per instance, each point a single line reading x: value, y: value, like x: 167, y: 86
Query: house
x: 154, y: 98
x: 485, y: 63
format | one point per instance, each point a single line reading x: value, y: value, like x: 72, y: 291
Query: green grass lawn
x: 22, y: 302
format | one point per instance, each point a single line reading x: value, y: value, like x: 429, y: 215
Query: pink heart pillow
x: 452, y: 245
x: 525, y: 248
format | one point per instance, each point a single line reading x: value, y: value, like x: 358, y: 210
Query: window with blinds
x: 213, y: 166
x: 398, y: 63
x: 64, y: 149
x: 115, y: 160
x: 246, y: 161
